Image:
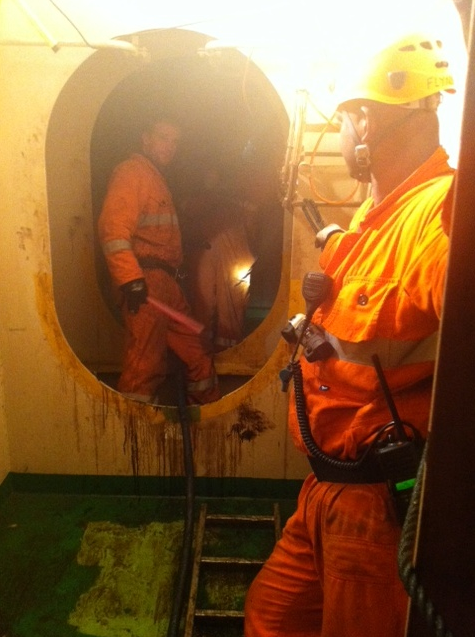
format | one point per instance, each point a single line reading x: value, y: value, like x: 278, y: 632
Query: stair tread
x: 211, y: 517
x: 230, y: 560
x: 201, y: 560
x: 202, y: 612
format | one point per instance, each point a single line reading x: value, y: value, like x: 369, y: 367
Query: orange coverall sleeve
x: 118, y: 221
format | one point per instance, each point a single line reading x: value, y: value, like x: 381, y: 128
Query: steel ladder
x: 201, y: 561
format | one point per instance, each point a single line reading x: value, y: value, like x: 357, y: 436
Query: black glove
x: 135, y: 293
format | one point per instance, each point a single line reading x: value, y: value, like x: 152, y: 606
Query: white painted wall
x: 55, y: 417
x: 59, y: 418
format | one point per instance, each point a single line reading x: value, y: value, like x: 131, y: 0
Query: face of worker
x: 160, y: 143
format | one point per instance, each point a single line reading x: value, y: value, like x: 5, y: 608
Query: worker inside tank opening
x: 218, y: 257
x: 141, y: 240
x: 334, y: 572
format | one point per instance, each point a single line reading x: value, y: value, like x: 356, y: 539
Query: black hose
x: 407, y: 572
x: 188, y: 534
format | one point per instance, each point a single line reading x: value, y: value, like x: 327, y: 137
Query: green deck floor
x: 105, y: 565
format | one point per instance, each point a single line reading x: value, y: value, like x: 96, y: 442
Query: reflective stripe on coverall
x: 139, y: 220
x: 388, y: 275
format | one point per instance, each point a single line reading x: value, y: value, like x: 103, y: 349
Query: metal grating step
x: 210, y: 563
x: 231, y: 561
x: 219, y: 614
x: 240, y: 519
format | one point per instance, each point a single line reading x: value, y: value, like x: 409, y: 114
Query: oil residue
x: 251, y: 422
x: 135, y: 584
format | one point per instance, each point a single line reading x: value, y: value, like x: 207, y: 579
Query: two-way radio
x: 397, y: 454
x: 316, y: 287
x: 398, y: 457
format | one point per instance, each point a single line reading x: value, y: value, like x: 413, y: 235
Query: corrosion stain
x: 251, y: 422
x: 23, y: 235
x: 131, y: 440
x: 132, y: 594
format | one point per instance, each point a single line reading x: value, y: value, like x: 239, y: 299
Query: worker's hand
x: 135, y: 293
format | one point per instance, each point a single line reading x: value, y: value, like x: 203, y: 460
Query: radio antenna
x: 389, y: 399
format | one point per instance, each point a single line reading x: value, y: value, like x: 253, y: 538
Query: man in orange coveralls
x: 141, y: 240
x: 334, y: 572
x: 219, y: 261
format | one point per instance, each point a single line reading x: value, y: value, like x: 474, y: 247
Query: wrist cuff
x: 324, y: 234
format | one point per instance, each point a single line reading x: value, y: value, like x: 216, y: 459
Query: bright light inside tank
x: 242, y: 274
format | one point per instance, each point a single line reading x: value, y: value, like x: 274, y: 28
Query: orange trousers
x: 334, y: 571
x: 149, y: 334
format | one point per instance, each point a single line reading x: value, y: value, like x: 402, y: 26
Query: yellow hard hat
x: 405, y: 73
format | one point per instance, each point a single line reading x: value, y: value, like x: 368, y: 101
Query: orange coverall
x: 138, y: 221
x: 219, y: 262
x: 219, y: 291
x: 334, y: 572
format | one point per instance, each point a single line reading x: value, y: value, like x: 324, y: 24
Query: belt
x: 368, y: 472
x: 151, y: 263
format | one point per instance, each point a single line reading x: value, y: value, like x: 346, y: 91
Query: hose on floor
x: 188, y: 533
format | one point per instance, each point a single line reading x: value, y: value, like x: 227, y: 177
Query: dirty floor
x: 105, y: 566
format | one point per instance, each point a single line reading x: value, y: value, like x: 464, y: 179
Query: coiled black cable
x: 304, y: 426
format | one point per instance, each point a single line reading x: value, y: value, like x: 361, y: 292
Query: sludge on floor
x: 105, y: 566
